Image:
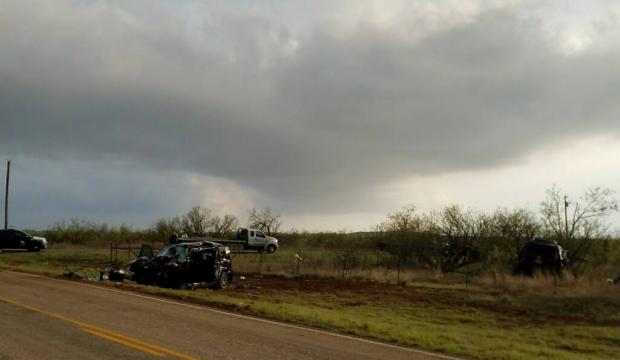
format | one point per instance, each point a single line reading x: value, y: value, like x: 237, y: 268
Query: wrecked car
x: 194, y: 264
x: 540, y: 256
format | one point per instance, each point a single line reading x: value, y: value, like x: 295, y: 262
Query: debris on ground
x: 73, y: 275
x: 70, y: 274
x: 116, y: 274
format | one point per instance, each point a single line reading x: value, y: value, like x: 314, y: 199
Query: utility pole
x: 565, y: 217
x: 6, y: 195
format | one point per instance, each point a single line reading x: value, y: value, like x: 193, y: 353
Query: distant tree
x: 510, y: 229
x: 457, y: 233
x: 399, y: 236
x: 264, y: 220
x: 577, y: 224
x: 222, y: 227
x: 347, y: 255
x: 405, y: 220
x: 163, y: 228
x: 197, y: 221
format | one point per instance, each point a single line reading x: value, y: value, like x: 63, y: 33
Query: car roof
x: 541, y: 245
x: 203, y: 243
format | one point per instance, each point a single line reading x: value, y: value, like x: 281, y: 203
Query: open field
x: 493, y: 318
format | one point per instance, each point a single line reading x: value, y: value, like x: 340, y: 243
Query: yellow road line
x: 122, y: 342
x: 143, y: 346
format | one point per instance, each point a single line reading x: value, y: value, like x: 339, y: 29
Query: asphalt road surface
x: 45, y: 318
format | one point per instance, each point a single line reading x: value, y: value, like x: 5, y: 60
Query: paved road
x: 44, y: 318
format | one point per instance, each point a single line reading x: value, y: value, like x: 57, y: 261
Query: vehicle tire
x: 34, y: 248
x: 271, y: 249
x: 222, y: 283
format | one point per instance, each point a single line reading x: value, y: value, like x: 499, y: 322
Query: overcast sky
x: 332, y: 113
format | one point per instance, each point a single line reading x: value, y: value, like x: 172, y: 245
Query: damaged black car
x: 186, y: 265
x: 539, y: 256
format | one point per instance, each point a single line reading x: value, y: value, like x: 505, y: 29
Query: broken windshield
x: 179, y: 251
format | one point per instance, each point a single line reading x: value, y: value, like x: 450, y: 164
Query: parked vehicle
x: 15, y: 239
x: 247, y: 239
x: 190, y: 264
x: 540, y: 256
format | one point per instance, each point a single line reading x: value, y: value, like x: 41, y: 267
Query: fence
x: 132, y: 251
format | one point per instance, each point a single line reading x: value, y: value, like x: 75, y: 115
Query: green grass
x: 505, y: 319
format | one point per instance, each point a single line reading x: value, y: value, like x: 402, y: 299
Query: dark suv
x: 540, y: 256
x: 15, y: 239
x: 203, y: 263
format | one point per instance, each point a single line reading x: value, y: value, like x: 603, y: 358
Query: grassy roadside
x: 518, y: 321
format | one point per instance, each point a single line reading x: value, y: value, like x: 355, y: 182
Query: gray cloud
x: 310, y: 116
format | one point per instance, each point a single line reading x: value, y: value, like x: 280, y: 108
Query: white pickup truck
x: 247, y: 239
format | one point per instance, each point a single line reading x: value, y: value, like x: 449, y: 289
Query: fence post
x: 260, y: 263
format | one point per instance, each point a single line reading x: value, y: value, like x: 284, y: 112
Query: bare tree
x: 164, y: 228
x: 510, y: 229
x: 405, y: 220
x: 457, y: 232
x: 223, y: 226
x: 399, y: 236
x: 576, y: 224
x: 197, y: 221
x: 264, y: 220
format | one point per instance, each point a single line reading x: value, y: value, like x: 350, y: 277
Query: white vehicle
x: 247, y: 239
x: 257, y: 240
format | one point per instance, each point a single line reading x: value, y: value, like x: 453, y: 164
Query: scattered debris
x: 73, y: 275
x: 116, y: 274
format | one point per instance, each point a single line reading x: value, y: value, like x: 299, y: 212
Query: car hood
x: 39, y: 239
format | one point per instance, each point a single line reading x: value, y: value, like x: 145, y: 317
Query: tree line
x: 198, y: 221
x: 455, y: 237
x: 451, y: 239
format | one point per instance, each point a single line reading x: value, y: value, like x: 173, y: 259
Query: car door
x: 20, y: 240
x: 260, y: 238
x: 10, y: 239
x: 4, y: 239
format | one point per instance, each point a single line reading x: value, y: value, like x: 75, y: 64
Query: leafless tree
x: 510, y: 229
x: 457, y: 232
x: 197, y: 221
x: 577, y: 224
x: 405, y: 220
x: 264, y: 220
x: 400, y: 236
x: 223, y: 226
x: 164, y: 228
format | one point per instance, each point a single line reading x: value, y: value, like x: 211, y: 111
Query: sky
x: 332, y: 114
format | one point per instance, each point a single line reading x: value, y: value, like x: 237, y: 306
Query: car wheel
x: 222, y: 282
x: 35, y: 248
x: 271, y: 249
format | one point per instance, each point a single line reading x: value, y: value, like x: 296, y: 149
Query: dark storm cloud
x: 312, y: 119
